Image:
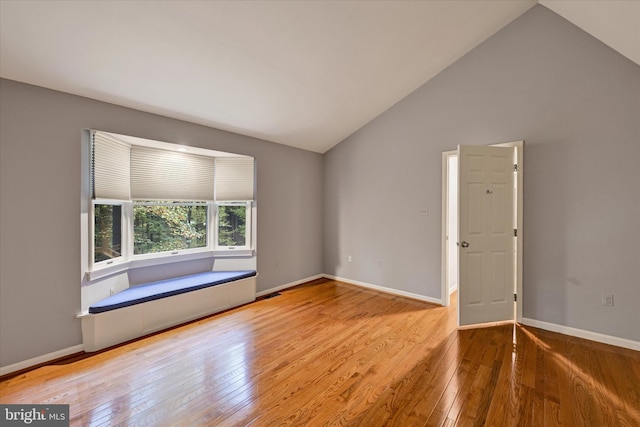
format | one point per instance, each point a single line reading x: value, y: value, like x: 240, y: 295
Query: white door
x: 485, y: 234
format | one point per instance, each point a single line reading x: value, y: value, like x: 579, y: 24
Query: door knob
x: 464, y: 244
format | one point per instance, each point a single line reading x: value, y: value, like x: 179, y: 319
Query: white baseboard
x: 453, y: 289
x: 386, y: 290
x: 290, y: 285
x: 353, y: 282
x: 581, y: 333
x: 4, y: 370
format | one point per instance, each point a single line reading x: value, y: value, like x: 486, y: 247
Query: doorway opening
x: 450, y: 226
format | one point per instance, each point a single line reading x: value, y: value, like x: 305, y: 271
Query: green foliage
x: 107, y: 236
x: 232, y: 225
x: 164, y: 228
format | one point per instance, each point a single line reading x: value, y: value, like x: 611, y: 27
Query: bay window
x: 153, y: 200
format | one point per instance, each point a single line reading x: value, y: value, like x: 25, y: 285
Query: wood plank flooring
x: 332, y: 354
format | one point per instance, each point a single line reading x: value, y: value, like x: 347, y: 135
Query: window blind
x: 234, y: 178
x: 110, y: 171
x: 170, y: 175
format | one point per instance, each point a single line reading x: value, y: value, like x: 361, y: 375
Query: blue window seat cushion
x: 166, y: 288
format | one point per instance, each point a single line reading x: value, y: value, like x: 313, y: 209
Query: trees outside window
x: 168, y: 227
x: 232, y: 225
x: 107, y: 232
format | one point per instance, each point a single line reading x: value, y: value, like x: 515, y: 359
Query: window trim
x: 128, y: 260
x: 246, y: 249
x: 112, y: 262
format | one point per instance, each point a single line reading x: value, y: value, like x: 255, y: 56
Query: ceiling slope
x: 613, y: 22
x: 305, y: 74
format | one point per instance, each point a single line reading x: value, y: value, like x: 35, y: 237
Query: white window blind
x: 234, y: 178
x: 110, y: 172
x: 170, y: 175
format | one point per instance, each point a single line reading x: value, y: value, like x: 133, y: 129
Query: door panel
x: 474, y: 221
x: 500, y: 213
x: 486, y: 269
x: 499, y: 271
x: 474, y: 268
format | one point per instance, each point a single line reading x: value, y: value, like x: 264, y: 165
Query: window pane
x: 232, y: 225
x: 108, y: 232
x: 163, y: 228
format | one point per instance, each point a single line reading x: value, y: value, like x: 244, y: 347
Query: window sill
x: 230, y: 253
x: 166, y: 259
x: 107, y: 271
x: 146, y: 262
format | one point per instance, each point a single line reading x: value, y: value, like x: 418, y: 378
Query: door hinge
x: 515, y: 167
x: 515, y: 232
x: 515, y: 297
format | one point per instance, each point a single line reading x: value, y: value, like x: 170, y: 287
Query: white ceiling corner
x: 305, y: 74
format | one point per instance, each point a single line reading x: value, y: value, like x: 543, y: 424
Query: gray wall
x: 576, y: 103
x: 40, y: 176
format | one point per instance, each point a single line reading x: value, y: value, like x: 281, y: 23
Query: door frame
x: 519, y: 205
x: 444, y: 269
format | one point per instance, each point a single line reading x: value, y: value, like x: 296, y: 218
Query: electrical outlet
x: 349, y: 258
x: 607, y: 299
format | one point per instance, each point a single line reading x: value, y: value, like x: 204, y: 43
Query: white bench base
x: 102, y: 330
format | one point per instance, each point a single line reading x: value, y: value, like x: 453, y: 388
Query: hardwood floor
x: 330, y: 354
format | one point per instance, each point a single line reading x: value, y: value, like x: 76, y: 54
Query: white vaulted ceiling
x: 301, y: 73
